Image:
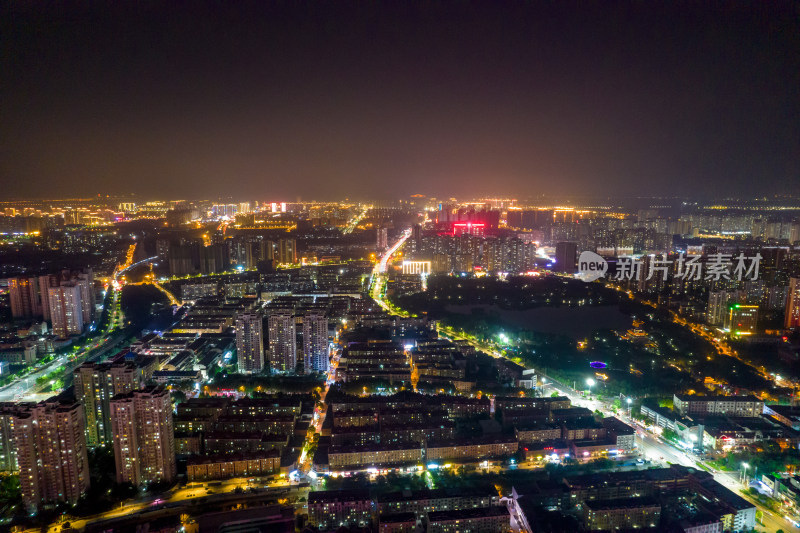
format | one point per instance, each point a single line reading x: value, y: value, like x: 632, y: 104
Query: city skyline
x: 400, y: 267
x: 198, y: 346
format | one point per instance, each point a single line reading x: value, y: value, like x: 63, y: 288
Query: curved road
x: 378, y: 281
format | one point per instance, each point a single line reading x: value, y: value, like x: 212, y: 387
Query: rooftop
x: 716, y: 398
x: 338, y: 496
x: 466, y: 514
x: 627, y: 503
x: 225, y: 458
x: 429, y: 494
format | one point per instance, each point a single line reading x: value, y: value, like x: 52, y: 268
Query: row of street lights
x: 743, y: 477
x: 590, y: 382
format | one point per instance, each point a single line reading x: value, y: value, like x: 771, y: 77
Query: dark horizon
x: 326, y: 101
x: 787, y: 201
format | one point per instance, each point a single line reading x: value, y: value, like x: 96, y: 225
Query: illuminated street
x: 378, y: 279
x: 448, y: 267
x: 356, y: 220
x: 25, y: 389
x: 191, y: 495
x: 652, y: 447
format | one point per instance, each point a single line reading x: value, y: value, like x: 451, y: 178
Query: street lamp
x: 745, y: 466
x: 589, y: 384
x: 629, y: 402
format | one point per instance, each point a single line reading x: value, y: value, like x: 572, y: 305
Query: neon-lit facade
x: 742, y: 319
x: 417, y: 267
x: 468, y: 228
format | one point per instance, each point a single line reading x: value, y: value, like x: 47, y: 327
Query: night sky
x: 322, y: 100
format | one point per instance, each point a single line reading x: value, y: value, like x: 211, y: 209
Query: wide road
x: 19, y: 389
x: 16, y: 390
x: 191, y: 495
x: 27, y: 387
x: 651, y: 445
x: 657, y: 450
x: 353, y: 223
x: 378, y: 281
